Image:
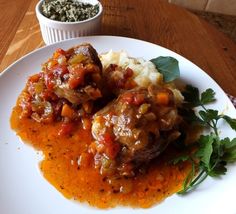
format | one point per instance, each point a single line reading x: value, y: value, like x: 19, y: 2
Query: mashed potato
x: 145, y: 72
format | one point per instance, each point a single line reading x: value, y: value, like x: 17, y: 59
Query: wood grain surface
x: 11, y: 13
x: 155, y: 21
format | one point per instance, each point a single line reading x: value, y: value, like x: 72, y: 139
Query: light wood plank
x: 11, y: 15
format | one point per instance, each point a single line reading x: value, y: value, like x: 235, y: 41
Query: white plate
x: 24, y: 190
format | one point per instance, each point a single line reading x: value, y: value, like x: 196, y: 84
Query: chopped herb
x: 213, y: 154
x: 69, y: 10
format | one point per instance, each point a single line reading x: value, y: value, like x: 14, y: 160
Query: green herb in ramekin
x: 69, y: 10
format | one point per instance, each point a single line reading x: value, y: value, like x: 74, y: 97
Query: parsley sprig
x: 212, y: 153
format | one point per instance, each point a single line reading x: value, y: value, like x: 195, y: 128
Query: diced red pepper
x: 139, y: 99
x: 112, y: 150
x: 66, y: 129
x: 107, y: 139
x: 135, y: 99
x: 49, y: 80
x: 120, y: 83
x: 111, y: 67
x: 128, y: 73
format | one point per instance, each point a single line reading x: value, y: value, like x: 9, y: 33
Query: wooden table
x: 155, y: 21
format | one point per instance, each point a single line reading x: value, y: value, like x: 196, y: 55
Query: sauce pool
x: 85, y: 184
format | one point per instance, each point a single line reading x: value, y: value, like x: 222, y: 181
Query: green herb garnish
x: 213, y: 153
x: 168, y: 67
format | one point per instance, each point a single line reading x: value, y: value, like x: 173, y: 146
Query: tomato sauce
x: 85, y: 184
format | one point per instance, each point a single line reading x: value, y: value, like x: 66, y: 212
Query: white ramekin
x: 55, y: 31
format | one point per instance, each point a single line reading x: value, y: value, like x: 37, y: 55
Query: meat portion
x: 86, y: 50
x: 83, y: 80
x: 134, y: 129
x: 69, y: 81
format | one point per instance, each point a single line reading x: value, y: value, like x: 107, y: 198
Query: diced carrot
x: 75, y: 81
x: 25, y: 104
x: 128, y: 98
x: 67, y: 111
x: 52, y: 63
x: 93, y: 148
x: 56, y: 55
x: 100, y: 148
x: 130, y: 84
x: 90, y: 68
x: 87, y: 106
x: 34, y: 78
x: 58, y: 52
x: 96, y: 93
x: 162, y: 98
x: 86, y: 123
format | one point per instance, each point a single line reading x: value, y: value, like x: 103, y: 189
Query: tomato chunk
x: 76, y: 77
x: 58, y: 52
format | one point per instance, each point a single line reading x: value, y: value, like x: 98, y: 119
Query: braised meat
x: 88, y: 51
x: 134, y: 129
x: 83, y: 80
x: 69, y: 81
